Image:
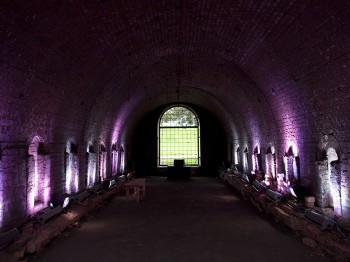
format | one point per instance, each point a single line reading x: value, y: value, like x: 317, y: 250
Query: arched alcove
x: 90, y: 165
x: 271, y: 168
x: 38, y: 181
x: 238, y: 159
x: 102, y: 162
x: 257, y: 160
x: 245, y: 160
x: 114, y: 161
x: 122, y: 160
x: 291, y: 165
x: 71, y: 167
x: 334, y: 179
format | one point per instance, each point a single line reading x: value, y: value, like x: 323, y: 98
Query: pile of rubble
x: 332, y: 241
x: 34, y: 236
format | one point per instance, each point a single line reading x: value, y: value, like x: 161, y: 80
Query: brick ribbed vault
x: 272, y: 72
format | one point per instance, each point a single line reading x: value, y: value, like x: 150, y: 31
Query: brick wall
x: 271, y: 73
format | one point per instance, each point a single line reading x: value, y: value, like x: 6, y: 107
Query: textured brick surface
x: 271, y: 72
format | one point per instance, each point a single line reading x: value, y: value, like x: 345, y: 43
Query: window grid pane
x: 179, y: 137
x: 178, y: 143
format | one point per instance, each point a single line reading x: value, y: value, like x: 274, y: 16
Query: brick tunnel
x: 84, y: 86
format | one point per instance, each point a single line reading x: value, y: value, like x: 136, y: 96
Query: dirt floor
x: 195, y: 220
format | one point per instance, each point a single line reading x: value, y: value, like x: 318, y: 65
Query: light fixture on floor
x: 97, y: 188
x: 80, y: 197
x: 48, y: 213
x: 298, y: 192
x: 245, y: 178
x: 60, y: 200
x: 120, y: 178
x: 274, y: 196
x: 8, y: 238
x: 320, y: 220
x: 109, y: 183
x: 259, y: 186
x: 237, y: 173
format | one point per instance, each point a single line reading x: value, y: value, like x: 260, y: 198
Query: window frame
x: 171, y: 127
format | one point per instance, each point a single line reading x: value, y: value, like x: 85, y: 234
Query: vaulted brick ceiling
x: 271, y: 71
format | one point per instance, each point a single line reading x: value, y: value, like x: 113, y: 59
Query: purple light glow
x: 39, y: 189
x: 271, y: 163
x: 245, y: 159
x: 91, y: 174
x: 281, y: 184
x: 47, y: 185
x: 1, y: 197
x: 123, y: 116
x: 114, y: 162
x: 39, y: 167
x: 72, y: 169
x: 290, y: 131
x: 291, y: 144
x: 69, y: 173
x: 237, y: 155
x: 255, y: 157
x: 76, y: 181
x: 122, y: 159
x: 91, y: 169
x: 36, y: 178
x: 333, y: 183
x: 290, y: 163
x: 253, y: 161
x: 103, y: 165
x: 254, y: 124
x: 72, y: 174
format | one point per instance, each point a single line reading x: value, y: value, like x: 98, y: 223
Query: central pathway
x: 196, y: 220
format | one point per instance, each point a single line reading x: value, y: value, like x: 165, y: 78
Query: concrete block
x: 293, y: 223
x: 309, y: 199
x: 309, y: 242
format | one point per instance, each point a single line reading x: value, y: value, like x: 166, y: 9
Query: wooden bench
x: 134, y: 189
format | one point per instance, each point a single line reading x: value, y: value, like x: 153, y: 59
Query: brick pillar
x: 335, y: 189
x: 91, y: 170
x: 323, y: 193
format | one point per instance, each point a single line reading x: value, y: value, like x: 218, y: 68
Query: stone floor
x: 196, y: 220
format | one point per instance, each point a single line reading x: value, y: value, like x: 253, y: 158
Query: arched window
x: 178, y: 137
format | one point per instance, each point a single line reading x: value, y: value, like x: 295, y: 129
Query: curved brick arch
x: 271, y: 72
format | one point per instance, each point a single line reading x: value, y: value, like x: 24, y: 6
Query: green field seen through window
x: 178, y: 143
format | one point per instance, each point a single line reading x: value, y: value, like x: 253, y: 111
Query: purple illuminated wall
x: 72, y: 168
x: 277, y: 75
x: 1, y: 196
x: 91, y: 161
x: 39, y: 167
x: 103, y: 162
x: 114, y: 160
